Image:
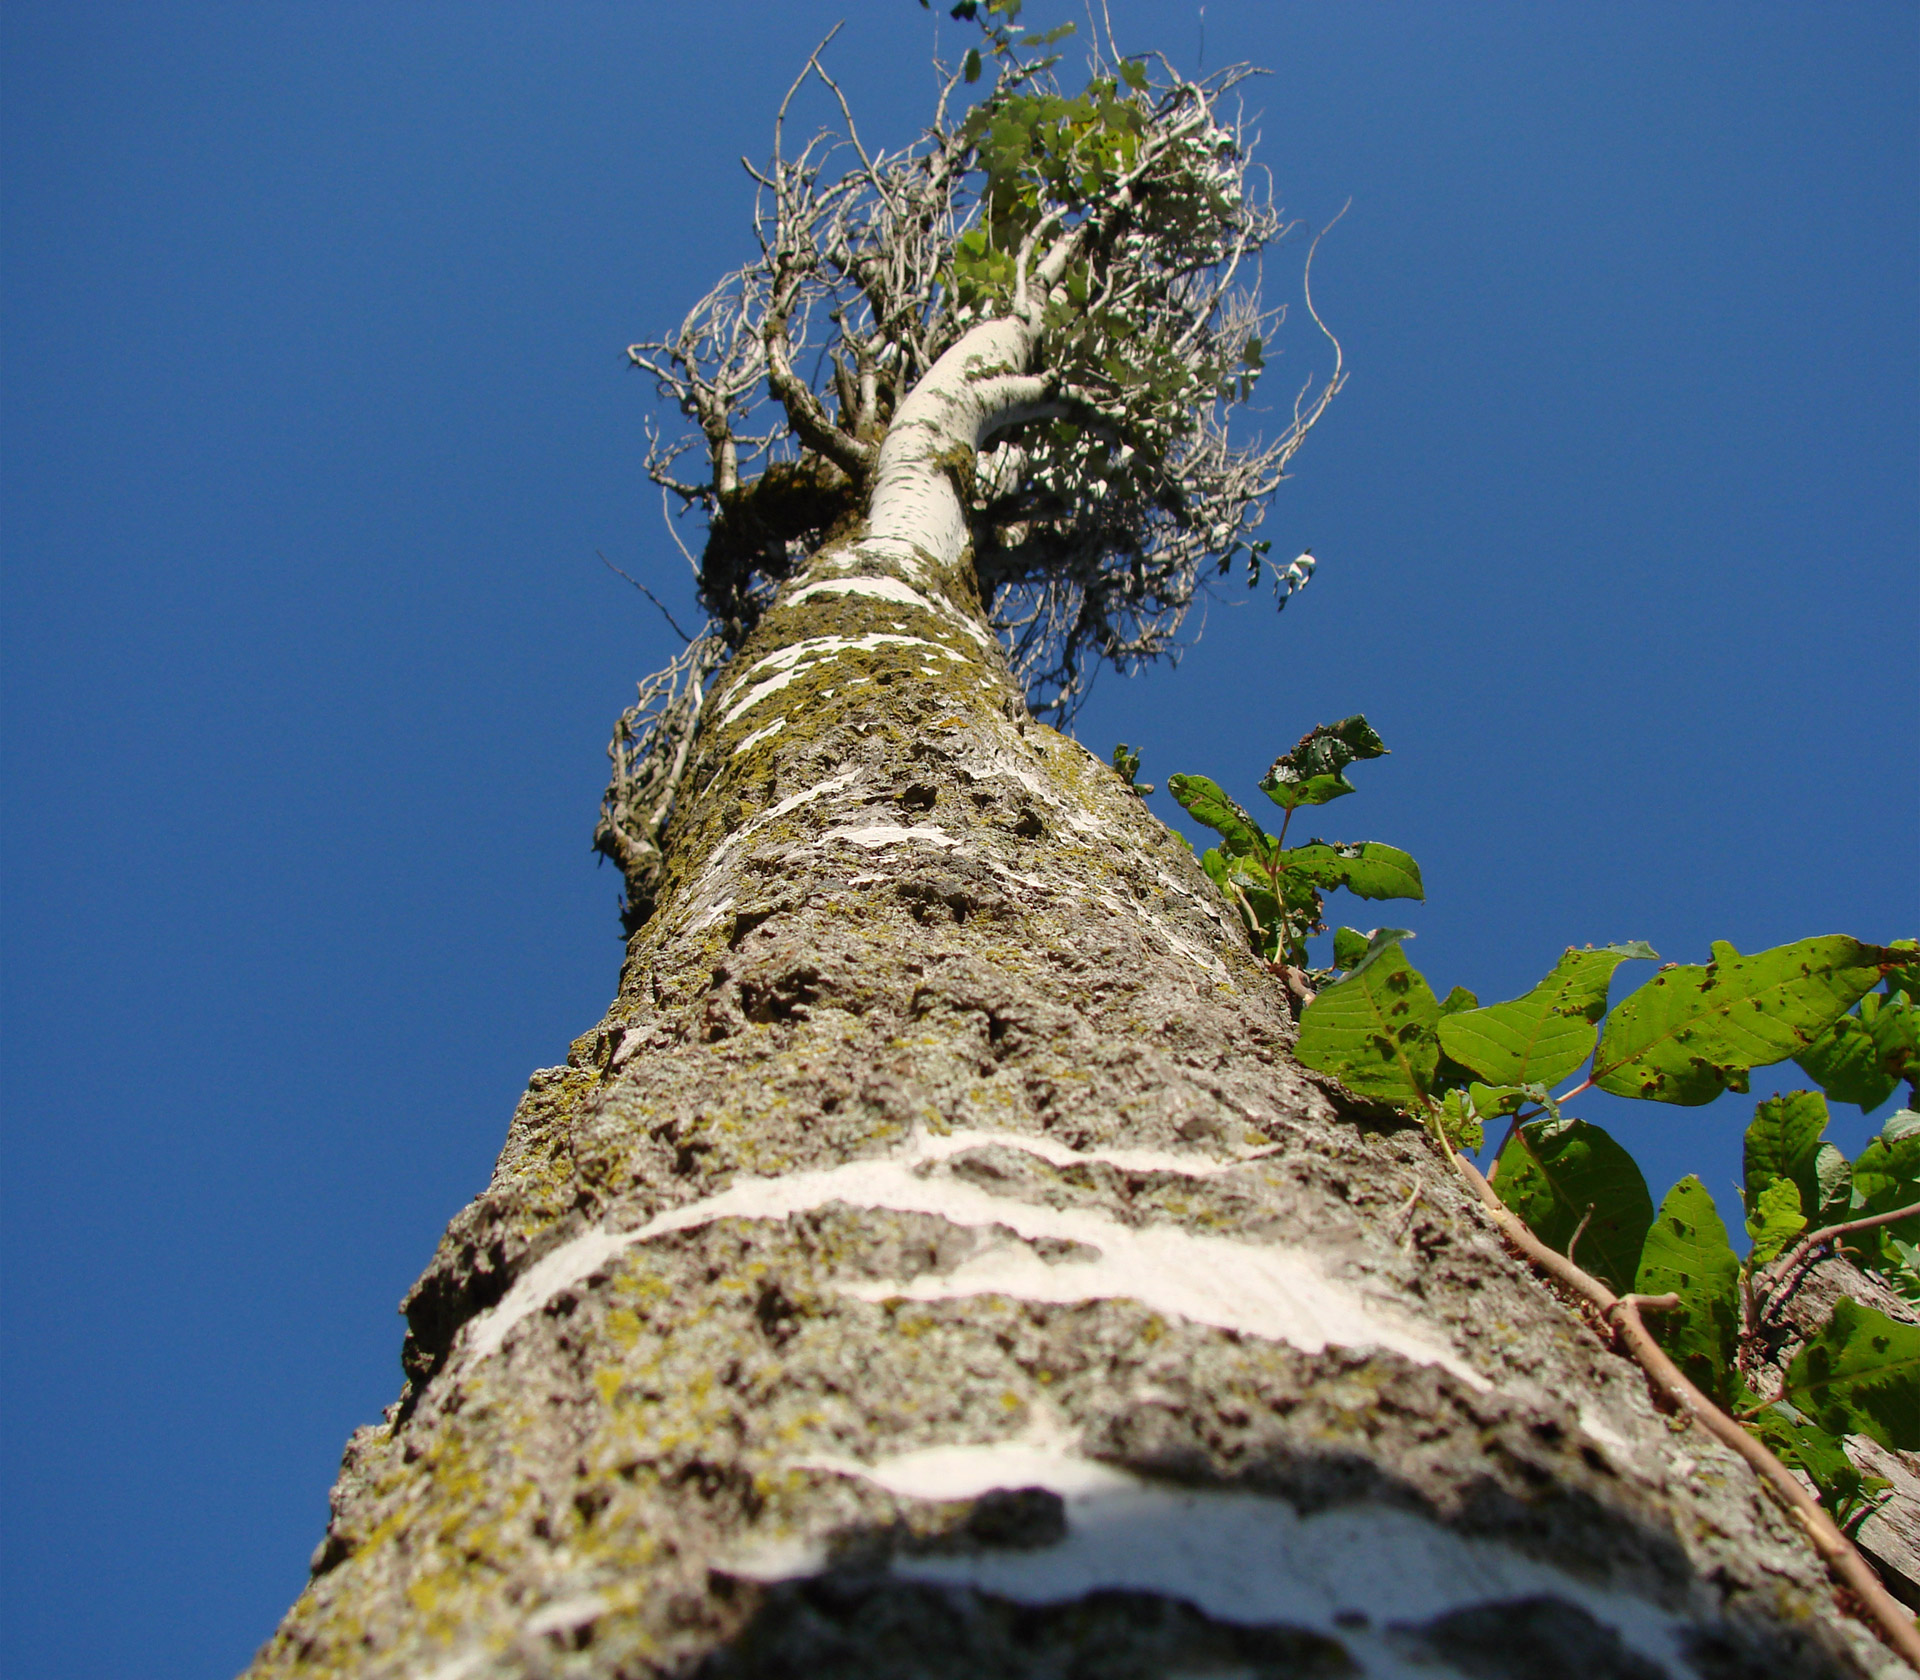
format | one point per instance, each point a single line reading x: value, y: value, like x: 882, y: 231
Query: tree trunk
x: 935, y: 1265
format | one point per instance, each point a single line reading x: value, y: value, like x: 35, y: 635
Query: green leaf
x: 1349, y: 946
x: 1458, y: 999
x: 1860, y: 1375
x: 1490, y: 1102
x: 1805, y: 1446
x: 1311, y: 773
x: 1134, y: 74
x: 1126, y: 765
x: 1903, y: 1271
x: 1691, y: 1032
x: 1775, y: 1220
x: 1687, y: 1254
x: 1554, y: 1171
x: 1832, y: 1185
x: 1862, y: 1056
x: 1885, y: 1177
x: 1209, y: 804
x: 1783, y: 1142
x: 1545, y: 1035
x: 1460, y: 1124
x: 971, y: 69
x: 1373, y: 1031
x: 1368, y: 870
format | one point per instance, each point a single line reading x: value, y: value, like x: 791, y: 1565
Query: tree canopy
x: 1121, y: 227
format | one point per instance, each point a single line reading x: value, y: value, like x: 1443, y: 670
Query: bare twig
x: 1784, y: 1276
x: 1891, y: 1619
x: 1579, y: 1231
x: 644, y: 590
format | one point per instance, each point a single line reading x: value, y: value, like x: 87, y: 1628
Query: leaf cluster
x: 1279, y: 889
x: 1842, y: 1009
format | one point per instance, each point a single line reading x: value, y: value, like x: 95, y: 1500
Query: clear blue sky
x: 315, y: 416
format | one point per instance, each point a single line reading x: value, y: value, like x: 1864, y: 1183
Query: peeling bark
x: 934, y: 1264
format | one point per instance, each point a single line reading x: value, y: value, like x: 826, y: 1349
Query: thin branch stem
x: 1893, y: 1621
x: 644, y: 590
x: 1786, y: 1274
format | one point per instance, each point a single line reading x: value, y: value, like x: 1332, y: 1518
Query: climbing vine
x: 1726, y: 1348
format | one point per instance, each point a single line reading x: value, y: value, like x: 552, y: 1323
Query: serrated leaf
x: 1783, y: 1142
x: 1687, y: 1254
x: 1552, y: 1172
x: 1460, y: 1124
x: 1349, y: 946
x: 1311, y: 773
x: 1373, y: 1031
x: 1458, y: 999
x: 1860, y: 1374
x: 1691, y: 1032
x: 1210, y: 804
x: 1775, y: 1221
x: 1545, y: 1035
x: 1368, y: 870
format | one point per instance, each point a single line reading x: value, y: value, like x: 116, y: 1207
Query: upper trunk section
x: 933, y: 1265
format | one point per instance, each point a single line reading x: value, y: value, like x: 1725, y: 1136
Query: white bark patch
x: 1205, y: 961
x: 566, y: 1615
x: 773, y: 813
x: 889, y: 589
x: 790, y: 662
x: 1240, y: 1557
x: 758, y: 736
x: 888, y: 834
x: 1280, y: 1294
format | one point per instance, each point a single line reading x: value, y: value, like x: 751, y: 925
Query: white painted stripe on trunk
x: 1244, y: 1558
x: 1275, y: 1292
x: 890, y: 589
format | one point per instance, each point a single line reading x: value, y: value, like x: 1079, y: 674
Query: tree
x: 935, y: 1262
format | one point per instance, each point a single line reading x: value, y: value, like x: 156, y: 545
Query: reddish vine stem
x: 1788, y: 1270
x: 1893, y: 1621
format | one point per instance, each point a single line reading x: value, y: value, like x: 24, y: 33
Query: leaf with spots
x: 1370, y: 869
x: 1313, y: 772
x: 1545, y: 1035
x: 1559, y: 1175
x: 1862, y: 1056
x: 1374, y: 1030
x: 1783, y: 1143
x: 1692, y: 1032
x: 1860, y: 1375
x: 1209, y: 803
x: 1687, y: 1254
x: 1887, y: 1177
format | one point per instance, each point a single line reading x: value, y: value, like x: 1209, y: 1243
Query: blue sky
x: 315, y: 418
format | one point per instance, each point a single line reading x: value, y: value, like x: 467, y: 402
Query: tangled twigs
x: 1893, y: 1621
